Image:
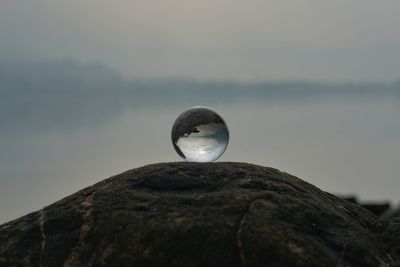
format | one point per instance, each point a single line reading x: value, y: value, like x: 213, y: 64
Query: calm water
x: 52, y: 145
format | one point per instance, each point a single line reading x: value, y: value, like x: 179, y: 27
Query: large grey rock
x: 190, y: 214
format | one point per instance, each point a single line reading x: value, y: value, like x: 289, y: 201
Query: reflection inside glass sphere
x: 199, y: 134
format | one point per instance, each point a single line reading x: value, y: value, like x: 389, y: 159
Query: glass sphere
x: 200, y: 135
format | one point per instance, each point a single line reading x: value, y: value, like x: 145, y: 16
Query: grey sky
x: 337, y: 40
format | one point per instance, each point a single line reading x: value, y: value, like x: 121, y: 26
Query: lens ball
x: 200, y: 135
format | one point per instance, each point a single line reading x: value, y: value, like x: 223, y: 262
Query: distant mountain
x: 56, y: 76
x: 65, y: 94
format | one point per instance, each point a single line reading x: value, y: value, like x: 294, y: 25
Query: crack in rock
x: 42, y: 234
x: 239, y: 232
x: 87, y: 216
x: 74, y: 259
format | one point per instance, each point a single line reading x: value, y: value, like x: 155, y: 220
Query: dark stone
x: 191, y: 214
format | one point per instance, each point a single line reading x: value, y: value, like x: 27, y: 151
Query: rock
x: 193, y: 214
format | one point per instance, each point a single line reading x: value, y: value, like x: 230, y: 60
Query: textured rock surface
x: 191, y: 214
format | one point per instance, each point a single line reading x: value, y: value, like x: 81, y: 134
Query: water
x: 200, y: 135
x: 54, y: 144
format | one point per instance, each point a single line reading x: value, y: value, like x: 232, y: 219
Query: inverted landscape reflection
x: 206, y: 145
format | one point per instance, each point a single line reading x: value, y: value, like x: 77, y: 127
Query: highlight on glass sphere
x: 200, y: 135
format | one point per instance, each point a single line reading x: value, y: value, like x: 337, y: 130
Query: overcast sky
x: 341, y: 40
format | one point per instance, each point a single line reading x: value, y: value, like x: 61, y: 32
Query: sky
x: 253, y: 40
x: 79, y: 117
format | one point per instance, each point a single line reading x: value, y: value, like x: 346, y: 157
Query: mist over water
x: 79, y: 125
